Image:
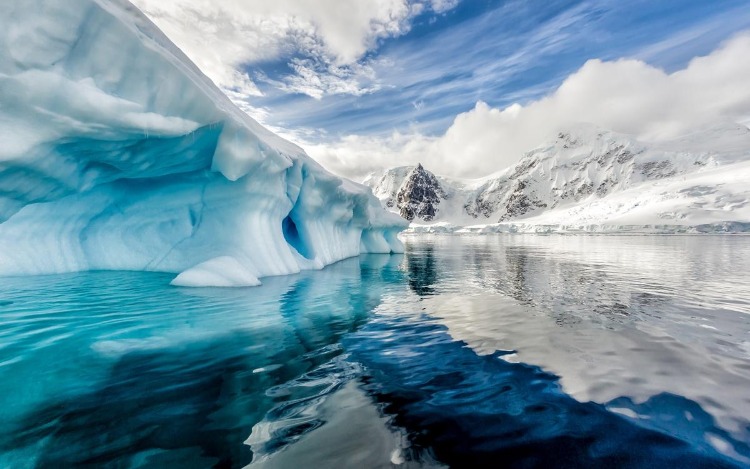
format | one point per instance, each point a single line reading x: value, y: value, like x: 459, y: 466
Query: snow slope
x: 589, y: 179
x: 118, y: 153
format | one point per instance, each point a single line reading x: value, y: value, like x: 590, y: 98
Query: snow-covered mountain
x: 587, y: 178
x: 415, y: 192
x: 118, y: 153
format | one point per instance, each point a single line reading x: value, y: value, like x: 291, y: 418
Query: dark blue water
x: 497, y: 351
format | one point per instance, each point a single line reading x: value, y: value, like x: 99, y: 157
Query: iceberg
x: 119, y: 154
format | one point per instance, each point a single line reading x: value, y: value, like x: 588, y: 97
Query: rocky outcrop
x: 419, y: 195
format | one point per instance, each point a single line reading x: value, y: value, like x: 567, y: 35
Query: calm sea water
x: 498, y: 351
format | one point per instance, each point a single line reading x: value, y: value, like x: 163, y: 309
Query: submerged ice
x: 118, y: 153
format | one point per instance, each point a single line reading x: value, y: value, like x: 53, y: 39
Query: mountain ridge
x: 587, y: 177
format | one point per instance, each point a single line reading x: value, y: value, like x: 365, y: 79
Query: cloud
x: 627, y: 96
x: 224, y: 37
x: 319, y: 77
x: 441, y: 6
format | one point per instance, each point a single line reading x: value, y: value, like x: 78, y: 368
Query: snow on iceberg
x: 118, y: 153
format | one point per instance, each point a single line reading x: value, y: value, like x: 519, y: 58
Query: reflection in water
x: 180, y: 376
x: 481, y: 411
x: 164, y: 400
x: 614, y: 317
x: 422, y: 271
x: 502, y: 351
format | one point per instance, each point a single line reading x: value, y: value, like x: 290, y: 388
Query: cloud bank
x: 627, y: 96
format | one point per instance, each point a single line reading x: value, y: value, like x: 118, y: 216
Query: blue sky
x: 499, y: 52
x: 466, y: 86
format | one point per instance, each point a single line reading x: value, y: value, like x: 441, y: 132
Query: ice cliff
x: 118, y: 153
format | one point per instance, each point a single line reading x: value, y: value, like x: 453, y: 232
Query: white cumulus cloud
x: 627, y: 96
x: 224, y: 37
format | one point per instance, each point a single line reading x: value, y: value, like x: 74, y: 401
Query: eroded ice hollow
x: 116, y: 152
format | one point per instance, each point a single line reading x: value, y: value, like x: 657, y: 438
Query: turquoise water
x: 502, y: 351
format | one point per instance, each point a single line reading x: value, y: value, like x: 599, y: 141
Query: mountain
x: 118, y: 153
x: 586, y: 178
x: 414, y: 192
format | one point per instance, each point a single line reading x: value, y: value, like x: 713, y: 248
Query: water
x: 502, y: 351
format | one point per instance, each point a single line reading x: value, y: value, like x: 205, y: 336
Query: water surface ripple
x: 496, y: 351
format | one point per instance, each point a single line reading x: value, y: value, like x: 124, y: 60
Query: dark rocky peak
x: 521, y: 201
x: 419, y: 195
x: 523, y: 167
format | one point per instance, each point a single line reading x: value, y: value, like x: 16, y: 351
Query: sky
x: 466, y: 86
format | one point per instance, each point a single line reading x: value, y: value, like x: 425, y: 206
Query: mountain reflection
x: 422, y: 270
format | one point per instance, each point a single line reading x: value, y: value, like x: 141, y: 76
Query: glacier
x: 119, y: 154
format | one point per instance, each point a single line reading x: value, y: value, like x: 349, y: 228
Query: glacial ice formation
x: 118, y: 153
